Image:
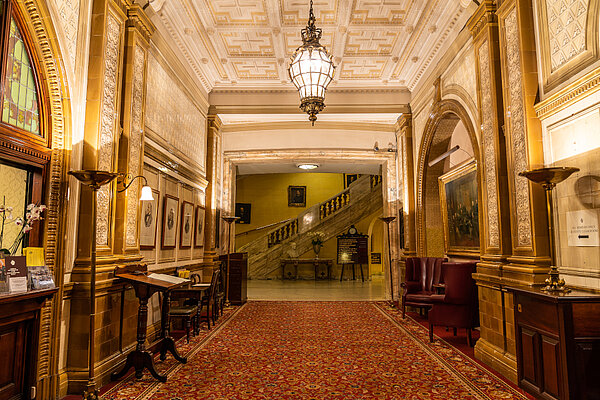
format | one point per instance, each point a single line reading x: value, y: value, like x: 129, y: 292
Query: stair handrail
x: 264, y: 227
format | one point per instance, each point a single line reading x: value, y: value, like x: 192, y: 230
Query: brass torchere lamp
x: 549, y: 177
x: 95, y: 180
x: 387, y: 221
x: 229, y: 219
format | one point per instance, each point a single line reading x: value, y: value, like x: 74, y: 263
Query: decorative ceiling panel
x: 373, y: 42
x: 248, y: 43
x: 238, y: 12
x: 382, y: 12
x: 361, y: 42
x: 295, y: 12
x: 255, y: 69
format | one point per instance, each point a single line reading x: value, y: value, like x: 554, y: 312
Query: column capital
x: 138, y: 20
x: 484, y: 16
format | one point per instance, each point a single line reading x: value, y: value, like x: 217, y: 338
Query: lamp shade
x: 311, y: 70
x: 146, y: 193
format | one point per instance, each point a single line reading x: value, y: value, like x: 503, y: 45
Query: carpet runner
x: 318, y: 350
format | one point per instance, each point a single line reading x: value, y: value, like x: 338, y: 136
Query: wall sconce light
x: 146, y: 190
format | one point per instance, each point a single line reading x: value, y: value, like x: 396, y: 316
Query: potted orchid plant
x: 33, y: 214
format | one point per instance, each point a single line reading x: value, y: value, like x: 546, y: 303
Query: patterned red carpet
x: 318, y: 350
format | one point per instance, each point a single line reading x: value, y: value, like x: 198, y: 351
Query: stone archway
x: 445, y: 116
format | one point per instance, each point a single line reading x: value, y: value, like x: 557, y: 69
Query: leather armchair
x: 458, y: 306
x: 420, y: 276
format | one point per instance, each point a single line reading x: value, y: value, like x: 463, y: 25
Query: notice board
x: 353, y: 249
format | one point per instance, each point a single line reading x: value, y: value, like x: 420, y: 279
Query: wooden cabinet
x: 558, y: 343
x: 19, y: 327
x: 238, y: 277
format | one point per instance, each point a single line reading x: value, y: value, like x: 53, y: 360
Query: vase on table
x: 316, y: 249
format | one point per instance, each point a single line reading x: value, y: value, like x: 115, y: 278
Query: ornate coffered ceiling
x: 248, y: 43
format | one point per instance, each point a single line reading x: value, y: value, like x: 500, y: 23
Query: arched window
x: 24, y: 139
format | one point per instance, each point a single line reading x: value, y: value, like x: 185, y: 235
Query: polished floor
x: 320, y: 290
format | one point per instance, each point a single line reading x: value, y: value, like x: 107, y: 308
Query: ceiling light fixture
x: 308, y: 166
x: 311, y: 69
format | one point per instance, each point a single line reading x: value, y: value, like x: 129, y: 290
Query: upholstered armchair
x: 458, y: 306
x: 422, y: 273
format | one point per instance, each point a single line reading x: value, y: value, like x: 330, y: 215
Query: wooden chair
x: 189, y: 314
x: 422, y: 273
x: 207, y: 305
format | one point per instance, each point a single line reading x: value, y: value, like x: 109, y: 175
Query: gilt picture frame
x: 296, y: 196
x: 169, y: 222
x: 187, y: 225
x: 148, y: 219
x: 460, y: 210
x: 199, y: 231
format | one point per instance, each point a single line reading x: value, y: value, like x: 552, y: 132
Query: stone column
x: 407, y: 189
x: 131, y: 149
x: 213, y: 165
x: 495, y: 216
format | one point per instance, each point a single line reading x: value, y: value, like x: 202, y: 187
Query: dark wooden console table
x: 316, y: 262
x: 141, y: 358
x: 19, y: 331
x: 558, y: 343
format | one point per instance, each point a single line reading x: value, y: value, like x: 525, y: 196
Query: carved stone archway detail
x: 441, y: 110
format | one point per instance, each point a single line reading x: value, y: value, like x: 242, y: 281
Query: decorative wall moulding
x: 568, y: 41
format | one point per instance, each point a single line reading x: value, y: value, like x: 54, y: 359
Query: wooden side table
x: 141, y: 358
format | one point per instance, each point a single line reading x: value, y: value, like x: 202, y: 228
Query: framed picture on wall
x: 296, y: 196
x: 199, y: 231
x: 148, y: 222
x: 187, y: 225
x: 169, y: 222
x: 460, y: 210
x: 242, y: 210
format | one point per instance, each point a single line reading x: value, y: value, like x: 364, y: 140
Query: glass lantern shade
x: 146, y: 194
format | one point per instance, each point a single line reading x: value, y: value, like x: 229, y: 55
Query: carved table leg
x: 167, y: 342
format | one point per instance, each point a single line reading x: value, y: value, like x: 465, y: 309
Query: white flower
x: 19, y: 221
x: 30, y: 207
x: 2, y: 208
x: 27, y: 228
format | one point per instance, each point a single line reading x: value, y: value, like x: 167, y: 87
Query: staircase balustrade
x: 283, y: 233
x: 375, y: 180
x: 335, y: 204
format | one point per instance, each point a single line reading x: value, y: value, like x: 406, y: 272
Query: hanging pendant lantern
x: 311, y: 69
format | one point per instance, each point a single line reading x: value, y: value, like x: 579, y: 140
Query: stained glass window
x: 20, y: 102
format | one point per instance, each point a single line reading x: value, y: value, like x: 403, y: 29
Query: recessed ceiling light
x: 307, y: 166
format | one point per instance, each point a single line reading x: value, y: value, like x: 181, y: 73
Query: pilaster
x: 492, y: 347
x: 131, y: 144
x: 213, y: 165
x: 404, y: 144
x: 524, y: 149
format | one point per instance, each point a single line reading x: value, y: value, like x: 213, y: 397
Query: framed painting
x: 242, y: 210
x: 148, y: 222
x: 460, y: 210
x: 296, y: 196
x: 199, y: 231
x: 169, y: 222
x: 187, y: 225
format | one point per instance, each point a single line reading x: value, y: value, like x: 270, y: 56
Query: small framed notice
x: 16, y: 270
x: 582, y: 228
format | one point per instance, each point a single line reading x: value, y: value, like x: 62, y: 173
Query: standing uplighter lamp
x: 229, y: 219
x: 549, y: 177
x: 387, y: 221
x: 95, y: 180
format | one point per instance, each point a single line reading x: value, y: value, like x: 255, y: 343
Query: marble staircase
x: 331, y: 217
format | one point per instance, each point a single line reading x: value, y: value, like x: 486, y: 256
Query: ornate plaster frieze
x: 566, y: 29
x: 463, y: 75
x: 489, y: 147
x: 135, y: 143
x: 108, y: 124
x: 172, y: 115
x: 518, y: 132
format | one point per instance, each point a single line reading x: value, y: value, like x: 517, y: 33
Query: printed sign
x: 582, y: 228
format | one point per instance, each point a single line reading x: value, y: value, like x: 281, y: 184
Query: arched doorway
x: 449, y: 145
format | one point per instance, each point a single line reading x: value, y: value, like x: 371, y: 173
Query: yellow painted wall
x: 268, y: 195
x: 329, y: 249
